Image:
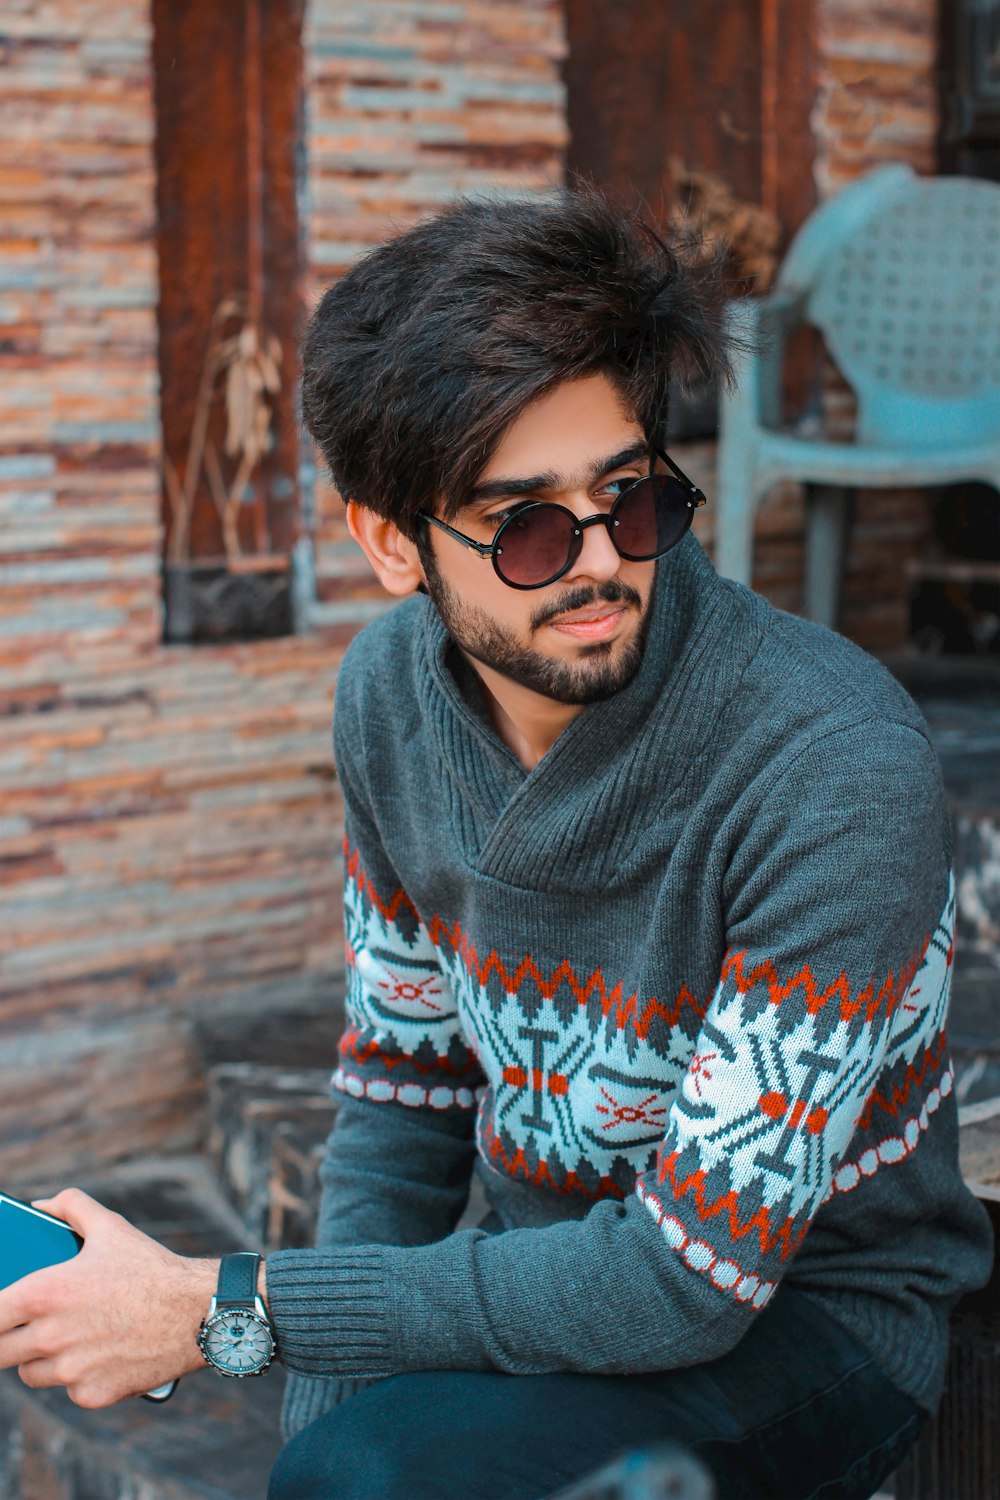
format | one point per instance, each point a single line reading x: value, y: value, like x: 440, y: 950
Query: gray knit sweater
x: 678, y: 993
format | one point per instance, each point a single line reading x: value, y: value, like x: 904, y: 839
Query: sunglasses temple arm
x: 697, y: 494
x: 484, y: 549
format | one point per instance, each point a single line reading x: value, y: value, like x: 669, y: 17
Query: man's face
x: 580, y: 639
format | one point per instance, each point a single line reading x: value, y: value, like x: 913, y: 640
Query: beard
x: 602, y: 669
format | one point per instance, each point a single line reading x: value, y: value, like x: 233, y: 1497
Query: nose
x: 598, y: 557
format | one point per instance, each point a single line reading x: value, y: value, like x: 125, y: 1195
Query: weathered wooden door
x: 229, y: 104
x: 661, y: 87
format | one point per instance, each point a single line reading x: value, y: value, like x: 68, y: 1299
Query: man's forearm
x: 603, y: 1294
x: 393, y: 1175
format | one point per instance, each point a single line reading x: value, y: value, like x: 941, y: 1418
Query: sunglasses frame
x: 493, y: 550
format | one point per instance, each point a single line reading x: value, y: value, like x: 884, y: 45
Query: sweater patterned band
x: 739, y: 1106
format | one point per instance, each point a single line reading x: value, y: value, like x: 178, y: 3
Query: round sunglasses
x: 540, y: 541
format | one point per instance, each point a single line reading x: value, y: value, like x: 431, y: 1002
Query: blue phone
x: 30, y: 1240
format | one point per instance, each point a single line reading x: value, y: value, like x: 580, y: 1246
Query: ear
x: 392, y: 555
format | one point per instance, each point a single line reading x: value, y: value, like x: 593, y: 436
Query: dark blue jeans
x: 797, y: 1411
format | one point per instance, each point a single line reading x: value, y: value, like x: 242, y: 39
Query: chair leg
x: 829, y: 512
x: 734, y: 528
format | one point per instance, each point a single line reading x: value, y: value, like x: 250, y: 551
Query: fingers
x: 40, y: 1374
x: 44, y: 1355
x: 78, y: 1209
x: 33, y: 1297
x: 23, y: 1345
x: 82, y: 1388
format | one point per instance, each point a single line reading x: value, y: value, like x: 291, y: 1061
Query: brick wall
x: 168, y: 826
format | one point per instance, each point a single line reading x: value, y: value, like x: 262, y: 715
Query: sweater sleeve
x: 391, y: 1175
x: 399, y: 1157
x: 834, y: 983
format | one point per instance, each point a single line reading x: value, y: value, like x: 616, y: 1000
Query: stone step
x: 214, y: 1439
x: 303, y: 1034
x: 269, y: 1126
x: 974, y: 1027
x: 268, y: 1135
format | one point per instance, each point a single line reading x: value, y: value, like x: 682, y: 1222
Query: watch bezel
x: 221, y: 1316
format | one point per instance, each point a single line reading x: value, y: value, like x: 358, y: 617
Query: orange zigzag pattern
x: 889, y: 995
x: 356, y: 872
x: 364, y: 1052
x: 726, y: 1206
x: 641, y: 1014
x: 517, y: 1166
x: 746, y: 977
x: 914, y: 1077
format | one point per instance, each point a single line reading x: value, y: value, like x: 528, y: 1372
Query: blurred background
x: 178, y: 182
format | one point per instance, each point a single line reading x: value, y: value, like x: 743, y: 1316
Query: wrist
x: 235, y: 1333
x: 201, y: 1282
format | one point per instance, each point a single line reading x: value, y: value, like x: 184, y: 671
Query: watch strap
x: 238, y: 1278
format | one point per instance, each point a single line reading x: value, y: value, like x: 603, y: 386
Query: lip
x: 591, y: 624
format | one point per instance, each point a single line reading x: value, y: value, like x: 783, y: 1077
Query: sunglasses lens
x: 535, y: 545
x: 651, y: 517
x: 539, y: 542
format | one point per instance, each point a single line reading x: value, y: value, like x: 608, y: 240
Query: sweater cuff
x: 331, y: 1310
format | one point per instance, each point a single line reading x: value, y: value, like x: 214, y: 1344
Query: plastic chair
x: 902, y: 276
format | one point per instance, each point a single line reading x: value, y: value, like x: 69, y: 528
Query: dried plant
x: 244, y: 369
x: 749, y: 236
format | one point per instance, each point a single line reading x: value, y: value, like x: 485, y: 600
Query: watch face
x: 237, y: 1341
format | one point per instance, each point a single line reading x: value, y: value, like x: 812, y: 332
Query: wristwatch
x: 237, y: 1336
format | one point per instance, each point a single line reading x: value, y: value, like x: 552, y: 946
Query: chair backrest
x: 902, y: 276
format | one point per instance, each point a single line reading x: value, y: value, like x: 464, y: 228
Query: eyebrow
x: 500, y: 489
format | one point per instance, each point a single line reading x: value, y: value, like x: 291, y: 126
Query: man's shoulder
x: 804, y: 696
x: 379, y: 663
x: 821, y: 678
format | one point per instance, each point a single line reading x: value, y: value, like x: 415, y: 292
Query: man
x: 648, y: 915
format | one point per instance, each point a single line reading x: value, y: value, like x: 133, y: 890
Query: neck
x: 528, y: 723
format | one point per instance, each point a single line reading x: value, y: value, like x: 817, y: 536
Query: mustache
x: 611, y: 592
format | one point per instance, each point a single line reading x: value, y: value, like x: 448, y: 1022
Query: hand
x: 116, y: 1320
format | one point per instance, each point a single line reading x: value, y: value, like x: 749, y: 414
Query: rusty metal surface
x: 645, y: 92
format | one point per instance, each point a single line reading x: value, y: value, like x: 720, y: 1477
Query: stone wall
x: 877, y: 99
x: 78, y: 385
x: 168, y: 822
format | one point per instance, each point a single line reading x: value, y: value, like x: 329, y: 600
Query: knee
x: 354, y: 1452
x: 298, y: 1472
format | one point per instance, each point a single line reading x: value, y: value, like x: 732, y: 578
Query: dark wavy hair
x: 419, y: 359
